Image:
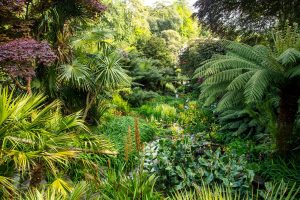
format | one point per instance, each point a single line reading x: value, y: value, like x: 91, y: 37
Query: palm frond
x: 110, y: 73
x: 61, y: 187
x: 77, y: 74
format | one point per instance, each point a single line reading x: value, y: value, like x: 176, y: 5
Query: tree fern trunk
x: 286, y: 118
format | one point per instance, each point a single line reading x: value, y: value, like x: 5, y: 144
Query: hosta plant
x: 181, y: 163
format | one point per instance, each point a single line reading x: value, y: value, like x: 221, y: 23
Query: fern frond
x: 293, y: 72
x: 244, y: 51
x: 230, y: 99
x: 240, y: 81
x: 289, y: 57
x: 257, y: 85
x: 226, y: 75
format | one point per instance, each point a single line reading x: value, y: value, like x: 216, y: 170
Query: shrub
x: 199, y: 51
x: 165, y: 112
x: 118, y: 186
x: 120, y: 104
x: 181, y: 163
x: 196, y: 118
x: 138, y: 97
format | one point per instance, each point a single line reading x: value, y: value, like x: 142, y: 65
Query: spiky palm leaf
x: 34, y: 135
x: 110, y: 73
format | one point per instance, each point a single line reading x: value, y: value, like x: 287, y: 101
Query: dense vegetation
x: 117, y: 100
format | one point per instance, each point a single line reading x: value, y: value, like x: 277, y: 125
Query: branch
x: 18, y: 84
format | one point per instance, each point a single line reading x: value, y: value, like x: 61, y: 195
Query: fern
x: 250, y: 71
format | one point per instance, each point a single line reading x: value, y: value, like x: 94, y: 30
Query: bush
x: 139, y: 97
x: 120, y: 104
x: 181, y: 163
x: 161, y: 112
x: 195, y: 118
x: 118, y: 186
x: 165, y: 112
x: 192, y: 57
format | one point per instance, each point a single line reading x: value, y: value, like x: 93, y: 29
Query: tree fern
x: 247, y: 75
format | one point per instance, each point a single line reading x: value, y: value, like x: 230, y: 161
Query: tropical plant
x: 101, y: 72
x: 247, y: 74
x: 198, y: 51
x: 139, y: 96
x: 76, y: 193
x: 118, y: 186
x: 215, y: 192
x: 244, y: 123
x: 36, y: 139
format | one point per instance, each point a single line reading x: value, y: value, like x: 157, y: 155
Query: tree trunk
x: 37, y: 175
x: 28, y: 86
x: 286, y: 118
x: 88, y: 104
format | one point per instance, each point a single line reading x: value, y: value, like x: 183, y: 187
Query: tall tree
x: 225, y: 17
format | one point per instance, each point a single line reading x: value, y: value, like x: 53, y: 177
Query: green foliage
x: 247, y: 75
x: 197, y: 52
x: 160, y: 112
x: 181, y: 163
x: 94, y: 73
x: 287, y: 38
x: 156, y: 48
x: 165, y: 112
x: 195, y: 118
x: 177, y: 17
x: 215, y: 192
x: 139, y: 97
x: 117, y: 128
x: 277, y: 169
x: 147, y: 72
x: 37, y: 139
x: 242, y: 123
x: 118, y: 186
x: 76, y: 193
x: 120, y: 104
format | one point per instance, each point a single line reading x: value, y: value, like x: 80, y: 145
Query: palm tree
x: 247, y: 74
x: 95, y: 73
x: 36, y: 138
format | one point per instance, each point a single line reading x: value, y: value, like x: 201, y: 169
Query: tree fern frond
x: 263, y: 50
x: 244, y: 51
x: 230, y: 99
x: 211, y: 92
x: 225, y: 64
x: 240, y: 81
x: 293, y: 72
x: 226, y: 75
x: 257, y: 85
x: 289, y: 57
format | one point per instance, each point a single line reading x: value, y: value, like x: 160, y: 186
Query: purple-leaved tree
x: 19, y: 58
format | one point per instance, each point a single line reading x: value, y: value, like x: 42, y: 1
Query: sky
x: 151, y: 2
